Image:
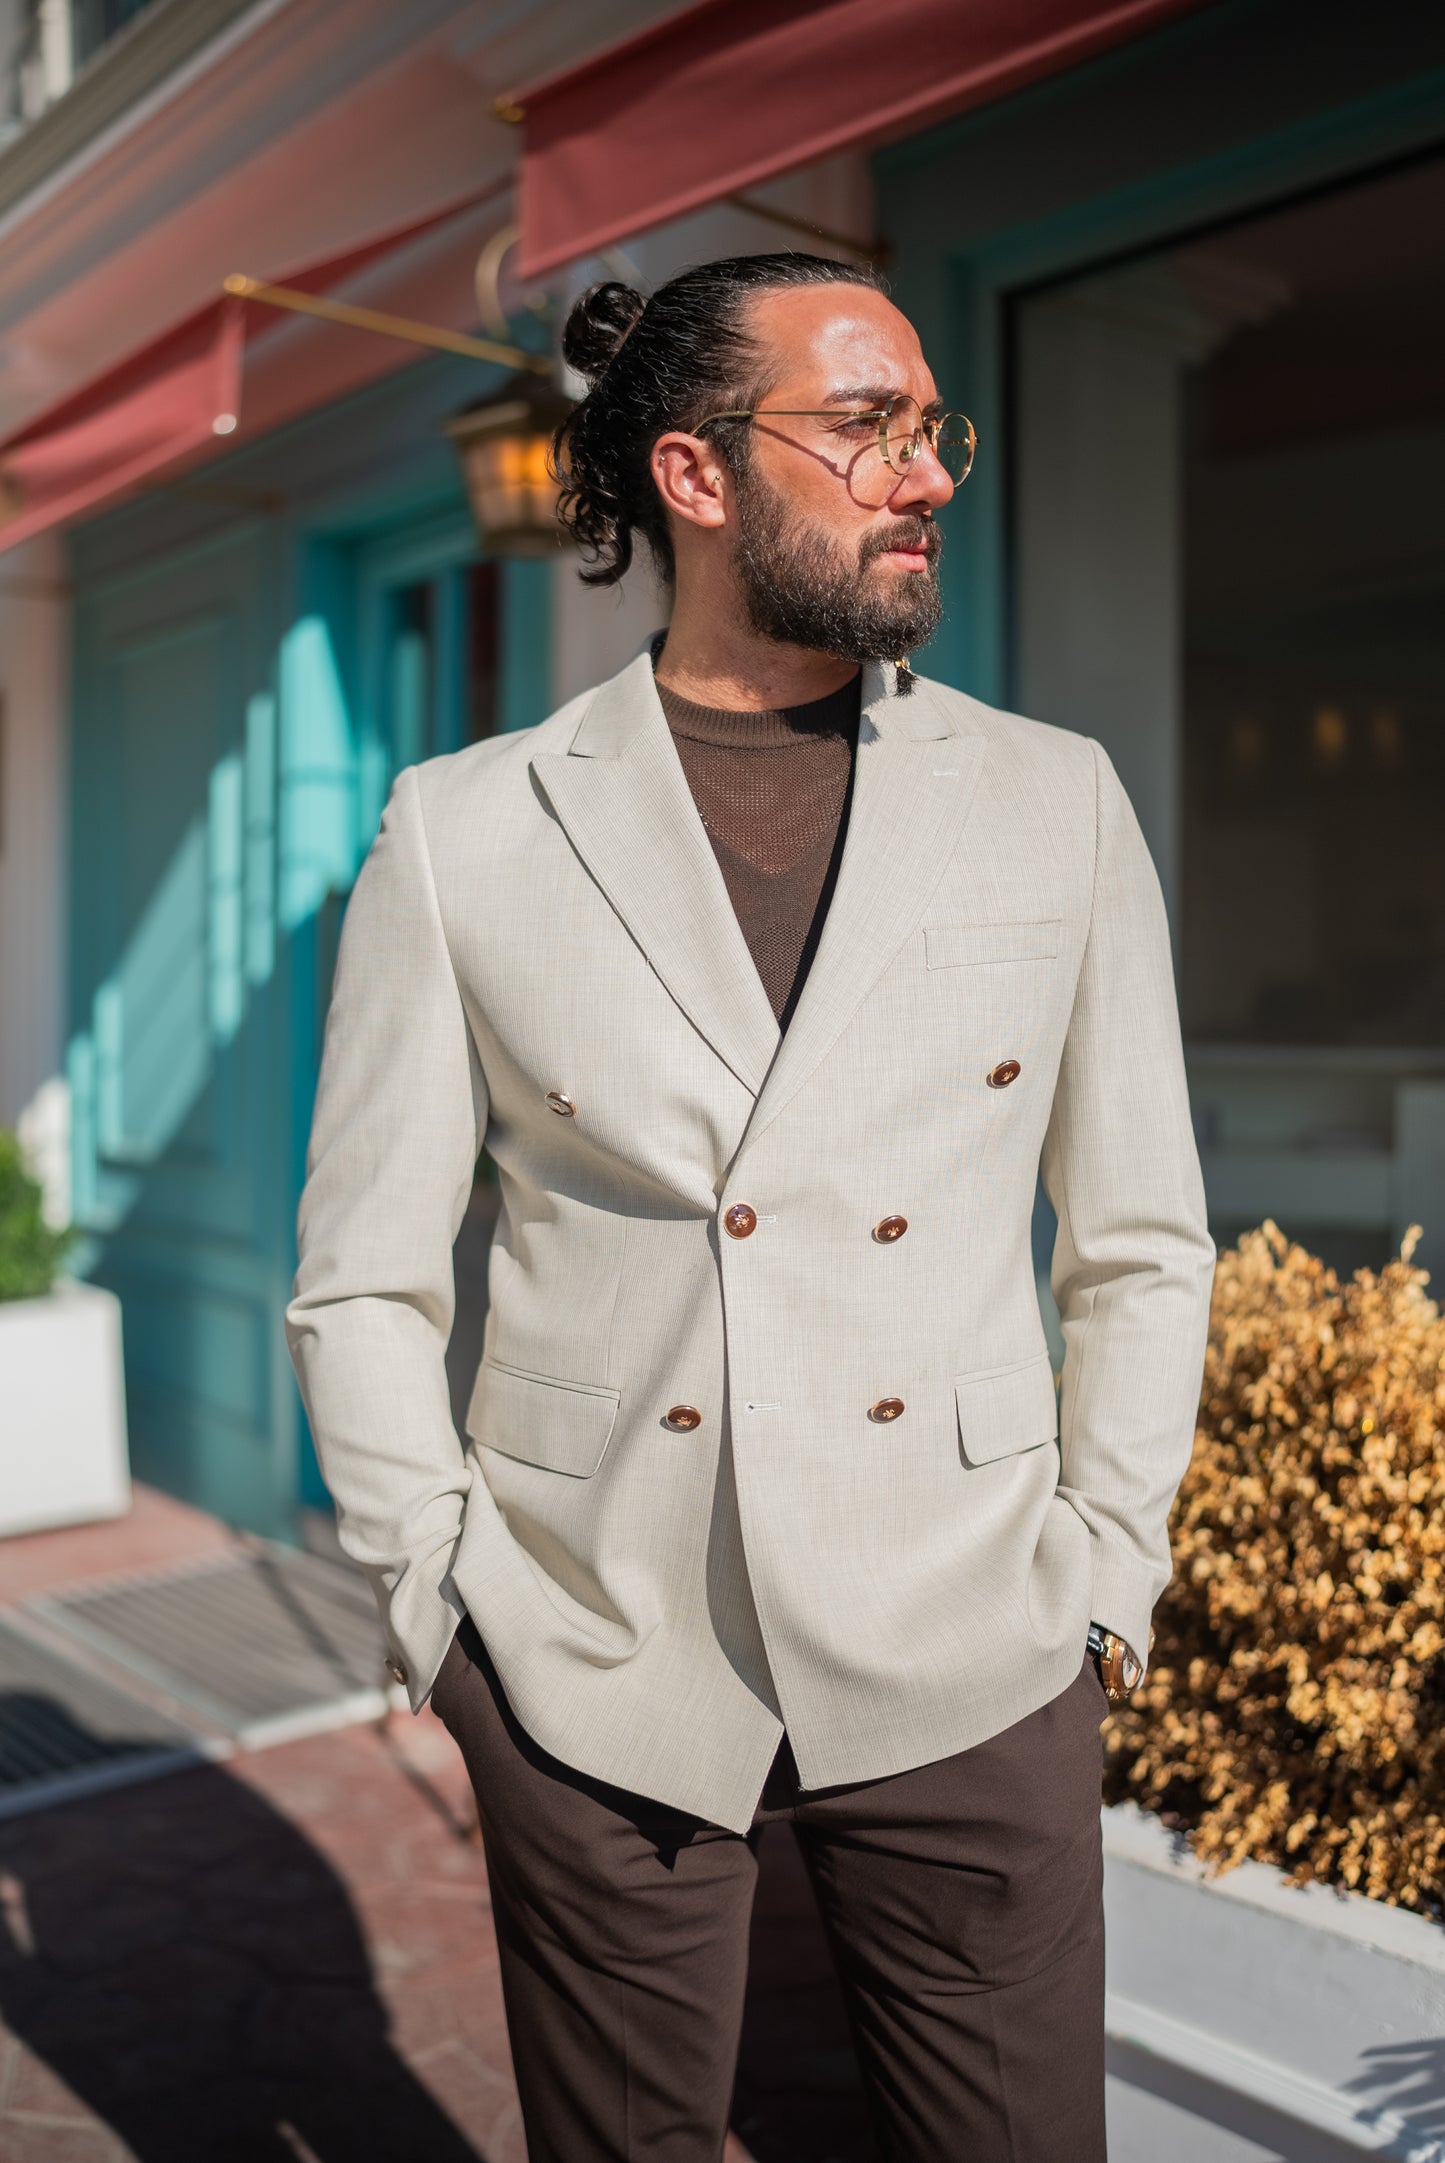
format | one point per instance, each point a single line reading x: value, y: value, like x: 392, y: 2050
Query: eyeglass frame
x: 930, y: 427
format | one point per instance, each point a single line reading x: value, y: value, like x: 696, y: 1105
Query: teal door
x: 177, y: 1057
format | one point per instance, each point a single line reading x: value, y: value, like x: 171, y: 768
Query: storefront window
x: 1228, y: 567
x: 1229, y: 458
x: 1313, y: 797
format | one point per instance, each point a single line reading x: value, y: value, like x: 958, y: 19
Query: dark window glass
x: 95, y: 22
x: 1313, y: 868
x: 483, y: 647
x: 412, y: 673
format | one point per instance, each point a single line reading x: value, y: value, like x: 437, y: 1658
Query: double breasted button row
x: 1007, y: 1070
x: 741, y: 1221
x: 684, y: 1418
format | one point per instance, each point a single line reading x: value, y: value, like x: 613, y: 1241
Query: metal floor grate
x: 264, y: 1644
x: 65, y: 1733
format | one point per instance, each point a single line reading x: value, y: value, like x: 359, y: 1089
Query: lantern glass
x: 504, y: 447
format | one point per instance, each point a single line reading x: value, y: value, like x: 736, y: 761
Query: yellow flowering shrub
x: 1294, y: 1709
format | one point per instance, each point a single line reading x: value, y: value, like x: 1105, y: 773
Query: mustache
x: 905, y: 532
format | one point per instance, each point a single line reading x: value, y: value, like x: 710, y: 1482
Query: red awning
x: 732, y: 92
x: 180, y: 396
x: 165, y: 401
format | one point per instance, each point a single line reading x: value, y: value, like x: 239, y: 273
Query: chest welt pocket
x: 1005, y: 1410
x: 950, y: 946
x: 540, y: 1420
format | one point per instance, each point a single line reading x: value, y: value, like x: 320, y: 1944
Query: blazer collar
x: 621, y: 794
x: 627, y: 705
x: 623, y: 799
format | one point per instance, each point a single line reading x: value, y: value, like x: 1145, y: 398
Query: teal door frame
x: 959, y: 293
x: 401, y: 721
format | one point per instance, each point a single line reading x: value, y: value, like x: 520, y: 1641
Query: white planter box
x: 1249, y: 2018
x: 63, y: 1458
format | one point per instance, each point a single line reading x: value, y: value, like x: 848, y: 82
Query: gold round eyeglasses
x: 900, y: 428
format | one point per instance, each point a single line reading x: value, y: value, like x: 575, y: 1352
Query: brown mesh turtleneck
x: 772, y: 791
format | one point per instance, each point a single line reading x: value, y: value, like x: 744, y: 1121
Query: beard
x: 800, y: 587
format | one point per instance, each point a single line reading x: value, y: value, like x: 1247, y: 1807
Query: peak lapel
x: 913, y: 787
x: 623, y: 799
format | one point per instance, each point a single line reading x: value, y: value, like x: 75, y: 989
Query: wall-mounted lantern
x: 504, y: 446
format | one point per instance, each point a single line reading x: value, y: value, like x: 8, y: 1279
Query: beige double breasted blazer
x: 542, y: 916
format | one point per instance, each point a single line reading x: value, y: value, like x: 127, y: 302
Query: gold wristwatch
x: 1120, y: 1668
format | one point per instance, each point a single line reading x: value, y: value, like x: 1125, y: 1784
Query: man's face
x: 836, y: 550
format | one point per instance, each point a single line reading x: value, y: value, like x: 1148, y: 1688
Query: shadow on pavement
x: 1405, y: 2080
x: 184, y: 1960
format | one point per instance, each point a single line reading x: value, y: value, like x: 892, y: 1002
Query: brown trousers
x: 962, y: 1903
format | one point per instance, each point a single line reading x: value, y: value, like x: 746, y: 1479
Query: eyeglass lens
x: 904, y: 434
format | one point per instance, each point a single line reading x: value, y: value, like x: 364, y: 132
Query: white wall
x: 34, y: 650
x: 597, y: 630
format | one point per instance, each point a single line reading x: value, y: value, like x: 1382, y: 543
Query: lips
x: 913, y: 545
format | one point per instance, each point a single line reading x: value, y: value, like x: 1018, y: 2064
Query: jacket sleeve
x: 1133, y: 1261
x: 400, y: 1114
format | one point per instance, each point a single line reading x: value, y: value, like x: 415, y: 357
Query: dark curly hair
x: 655, y: 364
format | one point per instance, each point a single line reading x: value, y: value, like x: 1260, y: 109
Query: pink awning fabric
x: 179, y: 397
x: 175, y: 395
x: 732, y: 92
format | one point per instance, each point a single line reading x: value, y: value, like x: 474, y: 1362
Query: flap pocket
x: 950, y: 945
x: 560, y: 1426
x: 1004, y: 1410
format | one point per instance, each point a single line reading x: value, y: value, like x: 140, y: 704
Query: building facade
x: 1189, y: 289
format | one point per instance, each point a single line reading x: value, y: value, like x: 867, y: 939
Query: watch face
x: 1131, y: 1667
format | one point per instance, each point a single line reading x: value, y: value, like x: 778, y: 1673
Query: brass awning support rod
x: 871, y: 250
x: 390, y: 326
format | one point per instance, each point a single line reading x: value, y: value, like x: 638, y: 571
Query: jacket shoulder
x: 489, y: 761
x: 1035, y: 742
x: 463, y: 792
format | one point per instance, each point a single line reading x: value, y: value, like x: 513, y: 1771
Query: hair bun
x: 599, y: 325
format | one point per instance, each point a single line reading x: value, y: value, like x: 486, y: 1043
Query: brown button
x: 740, y: 1221
x: 683, y: 1418
x: 889, y: 1229
x: 1008, y: 1070
x: 396, y: 1669
x: 562, y: 1106
x: 887, y: 1408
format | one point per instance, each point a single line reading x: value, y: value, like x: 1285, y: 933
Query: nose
x: 927, y: 481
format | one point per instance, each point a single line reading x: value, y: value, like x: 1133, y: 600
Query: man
x: 769, y: 980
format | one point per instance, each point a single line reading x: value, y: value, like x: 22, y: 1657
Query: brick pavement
x: 157, y: 1532
x: 289, y: 1959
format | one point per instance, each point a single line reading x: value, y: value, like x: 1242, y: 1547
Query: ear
x: 691, y: 479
